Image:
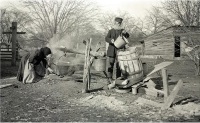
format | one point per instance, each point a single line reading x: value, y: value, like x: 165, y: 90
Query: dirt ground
x: 57, y: 99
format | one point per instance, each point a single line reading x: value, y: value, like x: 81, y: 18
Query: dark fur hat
x: 45, y: 51
x: 118, y: 19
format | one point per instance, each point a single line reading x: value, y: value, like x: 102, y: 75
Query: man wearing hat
x: 112, y: 35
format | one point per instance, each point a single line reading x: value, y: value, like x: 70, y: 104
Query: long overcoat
x: 113, y: 34
x: 34, y: 57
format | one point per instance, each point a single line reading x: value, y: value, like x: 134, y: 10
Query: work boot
x: 112, y: 85
x: 108, y: 82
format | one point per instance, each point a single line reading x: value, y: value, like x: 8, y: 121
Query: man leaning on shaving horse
x: 111, y: 37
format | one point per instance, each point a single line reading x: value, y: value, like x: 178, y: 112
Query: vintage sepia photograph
x: 100, y: 60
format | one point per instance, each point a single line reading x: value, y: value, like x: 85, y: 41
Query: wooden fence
x: 6, y: 54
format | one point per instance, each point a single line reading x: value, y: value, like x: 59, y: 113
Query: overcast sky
x: 137, y: 8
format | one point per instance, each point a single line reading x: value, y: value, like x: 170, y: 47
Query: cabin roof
x: 173, y: 27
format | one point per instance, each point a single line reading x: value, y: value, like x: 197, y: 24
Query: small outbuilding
x: 168, y: 42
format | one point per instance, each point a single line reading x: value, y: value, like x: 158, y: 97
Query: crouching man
x: 33, y: 66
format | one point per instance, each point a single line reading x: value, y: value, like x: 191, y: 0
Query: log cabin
x: 168, y: 42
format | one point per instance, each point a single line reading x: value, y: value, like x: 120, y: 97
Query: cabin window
x: 177, y: 51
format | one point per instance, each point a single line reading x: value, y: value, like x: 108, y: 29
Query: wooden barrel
x: 100, y: 64
x: 130, y: 64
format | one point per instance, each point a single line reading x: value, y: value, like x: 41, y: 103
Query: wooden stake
x: 86, y: 75
x: 14, y: 38
x: 14, y: 42
x: 165, y: 83
x: 197, y: 64
x: 145, y: 69
x: 173, y: 94
x: 89, y: 64
x: 85, y: 86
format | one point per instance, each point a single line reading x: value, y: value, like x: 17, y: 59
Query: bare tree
x: 57, y: 17
x: 187, y: 11
x: 106, y: 20
x: 130, y: 24
x: 7, y: 17
x: 156, y: 20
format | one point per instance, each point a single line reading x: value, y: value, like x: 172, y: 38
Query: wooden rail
x: 6, y: 54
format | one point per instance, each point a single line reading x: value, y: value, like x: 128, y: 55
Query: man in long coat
x: 111, y: 37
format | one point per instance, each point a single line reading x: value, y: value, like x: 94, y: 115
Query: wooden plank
x: 145, y: 69
x: 21, y: 32
x: 160, y: 41
x: 157, y: 51
x: 86, y: 75
x: 6, y: 85
x: 141, y: 100
x: 14, y: 41
x: 7, y: 32
x: 166, y: 37
x: 165, y: 83
x: 7, y: 53
x: 11, y: 32
x: 89, y: 64
x: 85, y: 86
x: 125, y: 64
x: 160, y: 66
x: 6, y: 57
x: 197, y: 66
x: 160, y: 35
x: 172, y: 96
x: 130, y: 64
x: 8, y: 48
x: 151, y: 92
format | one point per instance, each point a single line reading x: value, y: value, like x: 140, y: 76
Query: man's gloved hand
x: 124, y: 31
x: 127, y: 46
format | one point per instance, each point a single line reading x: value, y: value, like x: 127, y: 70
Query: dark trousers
x: 111, y: 62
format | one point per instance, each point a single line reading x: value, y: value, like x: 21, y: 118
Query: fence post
x: 14, y: 38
